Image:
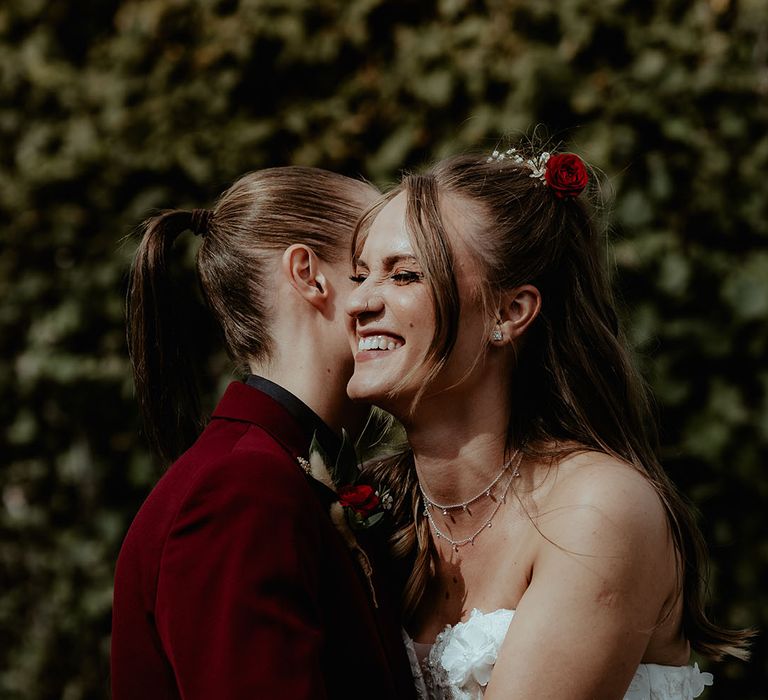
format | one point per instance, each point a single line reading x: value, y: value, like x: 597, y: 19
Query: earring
x: 497, y: 335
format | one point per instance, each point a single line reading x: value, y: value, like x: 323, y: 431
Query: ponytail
x: 166, y: 388
x: 252, y: 222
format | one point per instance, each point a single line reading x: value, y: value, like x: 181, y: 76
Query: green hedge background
x: 110, y: 109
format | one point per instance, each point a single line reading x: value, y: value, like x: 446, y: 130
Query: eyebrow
x: 389, y: 262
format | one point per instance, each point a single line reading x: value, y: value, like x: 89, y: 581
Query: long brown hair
x: 576, y: 386
x: 259, y: 216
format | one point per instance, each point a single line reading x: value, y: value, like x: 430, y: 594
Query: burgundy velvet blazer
x: 232, y: 581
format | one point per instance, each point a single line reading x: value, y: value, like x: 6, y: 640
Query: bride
x: 552, y: 556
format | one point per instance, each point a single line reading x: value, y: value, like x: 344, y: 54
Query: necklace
x: 485, y: 493
x: 431, y: 505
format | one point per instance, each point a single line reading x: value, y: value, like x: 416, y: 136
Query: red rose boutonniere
x: 566, y: 175
x: 362, y: 499
x: 359, y: 506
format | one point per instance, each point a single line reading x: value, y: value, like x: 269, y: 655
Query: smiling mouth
x: 378, y: 342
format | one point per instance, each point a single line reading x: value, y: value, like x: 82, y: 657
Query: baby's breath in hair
x: 537, y: 164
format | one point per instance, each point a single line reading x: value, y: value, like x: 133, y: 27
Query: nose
x: 363, y: 302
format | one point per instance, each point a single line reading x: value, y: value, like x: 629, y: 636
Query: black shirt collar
x: 306, y: 417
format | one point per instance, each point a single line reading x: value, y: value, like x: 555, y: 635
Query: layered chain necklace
x: 430, y: 505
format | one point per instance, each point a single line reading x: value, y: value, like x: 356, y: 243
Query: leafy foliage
x: 109, y: 110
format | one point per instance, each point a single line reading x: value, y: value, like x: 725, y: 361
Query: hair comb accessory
x: 564, y: 173
x: 201, y: 218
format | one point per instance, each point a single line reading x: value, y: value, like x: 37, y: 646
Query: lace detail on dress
x: 418, y: 676
x: 460, y: 663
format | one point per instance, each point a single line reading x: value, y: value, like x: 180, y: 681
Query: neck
x: 319, y: 384
x: 459, y: 441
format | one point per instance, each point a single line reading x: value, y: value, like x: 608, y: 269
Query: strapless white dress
x: 459, y: 664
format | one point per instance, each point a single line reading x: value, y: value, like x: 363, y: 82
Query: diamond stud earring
x: 496, y: 335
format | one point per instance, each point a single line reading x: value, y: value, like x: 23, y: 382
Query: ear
x: 301, y: 267
x: 519, y: 307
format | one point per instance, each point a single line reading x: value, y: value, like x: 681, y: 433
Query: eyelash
x: 405, y: 277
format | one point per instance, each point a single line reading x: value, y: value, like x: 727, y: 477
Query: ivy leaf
x: 345, y: 470
x: 318, y: 463
x: 371, y: 521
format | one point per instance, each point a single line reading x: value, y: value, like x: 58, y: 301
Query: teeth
x: 377, y: 342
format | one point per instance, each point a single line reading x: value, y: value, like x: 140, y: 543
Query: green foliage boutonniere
x: 358, y: 506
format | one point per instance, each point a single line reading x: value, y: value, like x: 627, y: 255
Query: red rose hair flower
x: 566, y: 174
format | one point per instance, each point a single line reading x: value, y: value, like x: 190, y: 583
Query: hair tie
x: 201, y: 218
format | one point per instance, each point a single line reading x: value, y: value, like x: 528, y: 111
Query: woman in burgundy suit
x: 233, y: 581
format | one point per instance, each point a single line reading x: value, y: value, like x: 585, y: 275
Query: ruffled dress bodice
x: 459, y: 664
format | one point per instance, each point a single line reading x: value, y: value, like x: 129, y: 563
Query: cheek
x: 347, y: 289
x: 471, y: 340
x: 415, y: 311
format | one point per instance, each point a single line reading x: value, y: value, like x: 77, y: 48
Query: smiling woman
x: 436, y: 349
x: 392, y: 281
x: 483, y: 319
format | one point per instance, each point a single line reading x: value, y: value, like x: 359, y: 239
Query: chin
x: 378, y: 394
x: 358, y: 389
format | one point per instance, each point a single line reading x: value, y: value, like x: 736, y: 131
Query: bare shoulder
x: 596, y: 500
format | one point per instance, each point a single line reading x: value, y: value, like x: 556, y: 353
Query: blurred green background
x: 112, y: 108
